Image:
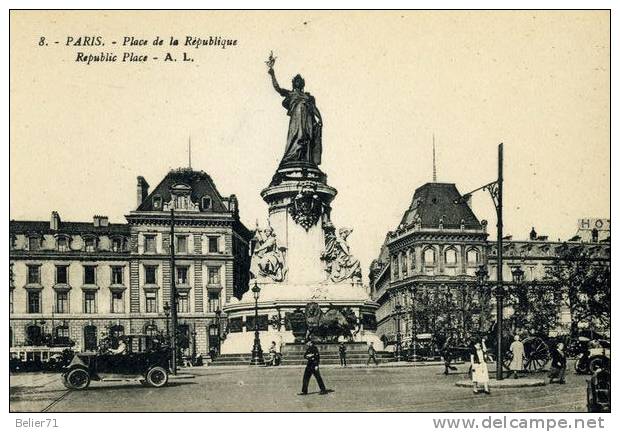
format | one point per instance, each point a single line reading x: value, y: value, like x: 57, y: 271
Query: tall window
x: 118, y: 305
x: 117, y: 275
x: 90, y: 277
x: 429, y: 257
x: 34, y: 302
x: 403, y: 263
x: 395, y: 269
x: 117, y: 244
x: 62, y: 302
x: 182, y: 244
x: 89, y: 302
x: 183, y: 303
x: 150, y: 275
x: 151, y: 302
x: 450, y: 257
x: 62, y: 243
x: 90, y: 244
x: 182, y: 275
x: 90, y: 338
x: 213, y: 245
x: 412, y: 260
x: 62, y: 333
x: 10, y: 301
x: 214, y: 301
x: 213, y: 276
x: 34, y: 243
x: 150, y: 244
x: 62, y: 275
x: 473, y: 257
x: 34, y: 274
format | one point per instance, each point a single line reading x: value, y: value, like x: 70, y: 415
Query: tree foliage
x: 585, y: 285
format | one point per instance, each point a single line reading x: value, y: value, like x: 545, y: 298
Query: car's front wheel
x: 157, y: 376
x: 77, y: 379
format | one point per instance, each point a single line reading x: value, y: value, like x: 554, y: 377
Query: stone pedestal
x: 293, y: 262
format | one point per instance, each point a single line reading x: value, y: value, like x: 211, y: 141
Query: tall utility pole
x: 496, y: 190
x: 500, y: 262
x: 173, y: 296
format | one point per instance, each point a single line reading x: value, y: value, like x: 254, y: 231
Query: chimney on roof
x: 143, y: 190
x: 533, y: 234
x: 100, y: 221
x: 55, y: 221
x: 233, y: 204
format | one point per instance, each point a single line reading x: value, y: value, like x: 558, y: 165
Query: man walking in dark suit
x: 312, y: 368
x: 342, y: 351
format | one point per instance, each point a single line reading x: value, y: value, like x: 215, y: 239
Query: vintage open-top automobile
x: 146, y: 360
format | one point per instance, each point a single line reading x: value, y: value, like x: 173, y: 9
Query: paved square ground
x: 417, y: 389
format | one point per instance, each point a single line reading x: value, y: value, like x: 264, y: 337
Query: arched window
x: 151, y: 329
x: 117, y: 331
x: 412, y: 259
x: 205, y: 202
x: 395, y: 268
x: 90, y: 338
x: 61, y: 335
x: 473, y: 257
x: 429, y: 257
x: 34, y: 335
x: 450, y: 257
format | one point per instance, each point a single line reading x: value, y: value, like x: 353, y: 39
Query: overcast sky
x: 384, y: 82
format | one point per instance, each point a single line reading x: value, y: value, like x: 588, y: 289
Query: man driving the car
x: 120, y: 349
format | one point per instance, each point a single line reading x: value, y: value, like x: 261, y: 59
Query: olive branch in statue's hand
x: 270, y: 62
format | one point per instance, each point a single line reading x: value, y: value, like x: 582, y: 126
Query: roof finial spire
x: 434, y: 162
x: 189, y: 151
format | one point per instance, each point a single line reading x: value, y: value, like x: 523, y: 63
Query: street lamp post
x: 398, y: 309
x: 257, y: 351
x: 495, y: 189
x: 218, y: 315
x: 194, y: 344
x: 167, y: 313
x: 173, y: 298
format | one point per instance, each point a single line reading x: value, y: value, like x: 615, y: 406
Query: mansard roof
x: 199, y: 182
x: 43, y: 227
x: 435, y: 201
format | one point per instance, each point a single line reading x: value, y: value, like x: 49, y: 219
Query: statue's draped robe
x: 303, y: 142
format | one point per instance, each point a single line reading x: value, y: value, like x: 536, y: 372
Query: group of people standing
x: 479, y: 359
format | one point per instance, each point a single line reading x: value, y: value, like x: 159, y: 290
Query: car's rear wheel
x: 157, y: 376
x: 77, y: 379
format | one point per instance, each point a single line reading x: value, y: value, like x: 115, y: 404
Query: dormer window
x: 62, y: 244
x: 157, y: 202
x: 90, y: 244
x: 118, y: 244
x: 206, y: 202
x: 34, y: 243
x: 181, y: 198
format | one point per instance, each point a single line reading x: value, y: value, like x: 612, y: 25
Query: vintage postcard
x: 310, y: 211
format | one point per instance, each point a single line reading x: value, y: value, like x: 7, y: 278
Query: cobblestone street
x: 419, y: 389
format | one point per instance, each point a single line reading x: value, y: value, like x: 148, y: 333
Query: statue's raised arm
x: 303, y: 142
x: 270, y: 62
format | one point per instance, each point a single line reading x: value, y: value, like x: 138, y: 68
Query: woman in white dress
x: 479, y: 369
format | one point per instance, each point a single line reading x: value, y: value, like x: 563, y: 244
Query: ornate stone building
x: 427, y: 266
x: 82, y: 280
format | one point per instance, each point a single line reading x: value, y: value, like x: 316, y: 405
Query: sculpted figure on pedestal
x: 268, y: 259
x: 303, y: 142
x: 340, y: 264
